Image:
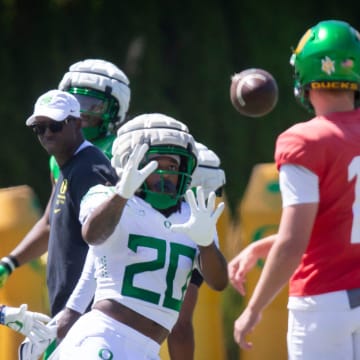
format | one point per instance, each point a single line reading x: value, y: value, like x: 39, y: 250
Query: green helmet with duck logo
x: 327, y: 57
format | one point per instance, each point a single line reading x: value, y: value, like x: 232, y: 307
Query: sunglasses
x: 54, y: 127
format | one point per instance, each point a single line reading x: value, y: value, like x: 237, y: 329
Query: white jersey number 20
x: 176, y: 250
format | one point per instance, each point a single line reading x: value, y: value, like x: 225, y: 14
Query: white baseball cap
x: 56, y: 105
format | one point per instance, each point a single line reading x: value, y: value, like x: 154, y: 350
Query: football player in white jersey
x: 145, y: 241
x: 211, y: 177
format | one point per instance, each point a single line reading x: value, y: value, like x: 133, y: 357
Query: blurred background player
x: 317, y: 247
x: 103, y: 91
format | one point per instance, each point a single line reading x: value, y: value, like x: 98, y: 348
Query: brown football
x: 253, y: 92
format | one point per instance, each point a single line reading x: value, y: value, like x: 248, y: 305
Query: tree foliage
x: 179, y: 57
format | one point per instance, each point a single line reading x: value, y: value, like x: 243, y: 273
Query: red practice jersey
x: 329, y: 147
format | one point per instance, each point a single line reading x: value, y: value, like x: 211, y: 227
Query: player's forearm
x: 36, y: 241
x: 84, y: 290
x: 281, y: 263
x: 102, y: 222
x: 292, y: 240
x: 34, y: 244
x: 181, y: 343
x: 213, y: 267
x: 275, y: 275
x: 262, y: 247
x: 66, y: 320
x: 181, y: 340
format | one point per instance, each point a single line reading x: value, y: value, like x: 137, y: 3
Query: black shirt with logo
x: 67, y: 250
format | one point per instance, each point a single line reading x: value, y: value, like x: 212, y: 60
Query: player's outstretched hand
x: 239, y: 266
x: 246, y: 260
x: 201, y: 225
x: 243, y: 326
x: 131, y: 177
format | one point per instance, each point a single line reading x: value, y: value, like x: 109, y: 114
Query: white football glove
x: 201, y: 226
x: 32, y: 349
x: 131, y: 177
x: 28, y: 323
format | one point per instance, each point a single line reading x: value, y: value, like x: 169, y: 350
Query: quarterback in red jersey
x: 317, y: 247
x: 329, y: 147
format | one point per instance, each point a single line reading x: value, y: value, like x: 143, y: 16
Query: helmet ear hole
x: 108, y: 90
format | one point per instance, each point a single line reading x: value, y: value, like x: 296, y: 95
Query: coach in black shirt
x: 56, y: 123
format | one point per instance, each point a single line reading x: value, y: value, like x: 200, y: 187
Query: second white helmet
x: 102, y: 76
x: 165, y: 135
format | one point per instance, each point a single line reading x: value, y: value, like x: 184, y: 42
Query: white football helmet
x: 105, y: 84
x: 164, y: 135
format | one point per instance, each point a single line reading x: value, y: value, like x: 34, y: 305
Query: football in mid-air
x: 253, y: 92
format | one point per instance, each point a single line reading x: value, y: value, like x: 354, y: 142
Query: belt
x: 354, y: 297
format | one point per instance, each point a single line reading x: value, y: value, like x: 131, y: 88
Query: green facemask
x: 98, y: 104
x: 91, y: 133
x: 163, y: 199
x: 160, y: 200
